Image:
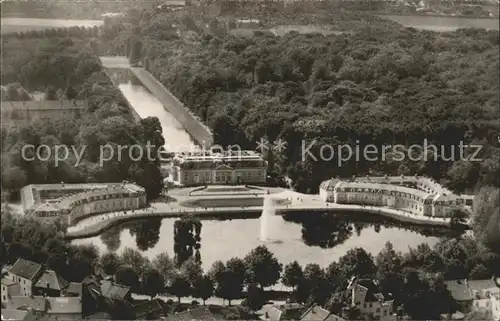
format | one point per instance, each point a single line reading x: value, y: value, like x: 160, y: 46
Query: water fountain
x: 268, y: 220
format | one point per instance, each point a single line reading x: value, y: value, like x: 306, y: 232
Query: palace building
x: 414, y: 194
x: 77, y: 201
x: 243, y: 167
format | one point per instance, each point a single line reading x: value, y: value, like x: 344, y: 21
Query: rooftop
x: 110, y: 289
x: 13, y: 314
x: 50, y: 280
x: 25, y: 269
x: 151, y: 306
x: 64, y: 305
x: 421, y: 182
x: 37, y: 303
x: 198, y: 314
x: 53, y: 197
x: 459, y: 290
x: 75, y: 288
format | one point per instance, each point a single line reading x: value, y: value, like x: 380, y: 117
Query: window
x: 371, y: 305
x: 378, y: 310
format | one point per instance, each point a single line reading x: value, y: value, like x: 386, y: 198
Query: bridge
x: 295, y: 202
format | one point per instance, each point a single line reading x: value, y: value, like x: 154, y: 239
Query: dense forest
x: 377, y: 84
x: 66, y: 67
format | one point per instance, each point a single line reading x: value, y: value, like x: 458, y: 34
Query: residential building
x: 476, y: 295
x: 413, y: 194
x: 10, y: 288
x: 17, y: 315
x: 317, y: 313
x: 74, y: 289
x: 367, y: 297
x: 288, y: 311
x: 241, y: 167
x: 35, y: 304
x: 34, y: 109
x: 26, y: 273
x: 56, y: 308
x: 50, y: 284
x: 198, y: 314
x: 64, y: 308
x: 110, y: 290
x: 77, y: 201
x: 149, y: 310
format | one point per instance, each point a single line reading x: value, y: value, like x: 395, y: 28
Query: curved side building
x: 414, y: 194
x: 77, y: 201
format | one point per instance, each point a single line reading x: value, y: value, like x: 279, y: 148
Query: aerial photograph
x: 203, y: 160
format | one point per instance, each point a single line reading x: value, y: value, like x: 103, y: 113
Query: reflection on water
x: 146, y: 105
x: 306, y: 237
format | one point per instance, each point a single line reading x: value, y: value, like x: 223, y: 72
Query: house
x: 18, y: 315
x: 36, y: 304
x: 198, y: 314
x: 112, y: 290
x: 9, y: 288
x: 56, y: 308
x: 99, y: 316
x: 25, y: 273
x: 64, y: 308
x: 289, y: 311
x: 476, y: 295
x: 367, y: 297
x: 317, y: 313
x: 50, y: 284
x: 147, y: 310
x: 74, y: 289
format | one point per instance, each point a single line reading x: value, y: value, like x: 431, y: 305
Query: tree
x: 292, y: 275
x: 70, y: 92
x: 480, y: 272
x: 14, y: 178
x: 134, y: 259
x: 357, y: 262
x: 152, y: 282
x: 110, y: 262
x: 491, y: 237
x: 191, y: 270
x: 165, y: 265
x: 135, y: 51
x: 204, y: 288
x: 50, y: 94
x: 254, y: 298
x: 263, y: 267
x: 230, y: 281
x: 126, y: 275
x: 180, y: 287
x: 458, y: 216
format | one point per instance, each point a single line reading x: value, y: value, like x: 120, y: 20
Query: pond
x: 305, y: 237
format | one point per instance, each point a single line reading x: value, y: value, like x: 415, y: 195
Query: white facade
x: 25, y: 284
x: 241, y: 167
x: 413, y: 195
x: 377, y: 306
x: 5, y: 292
